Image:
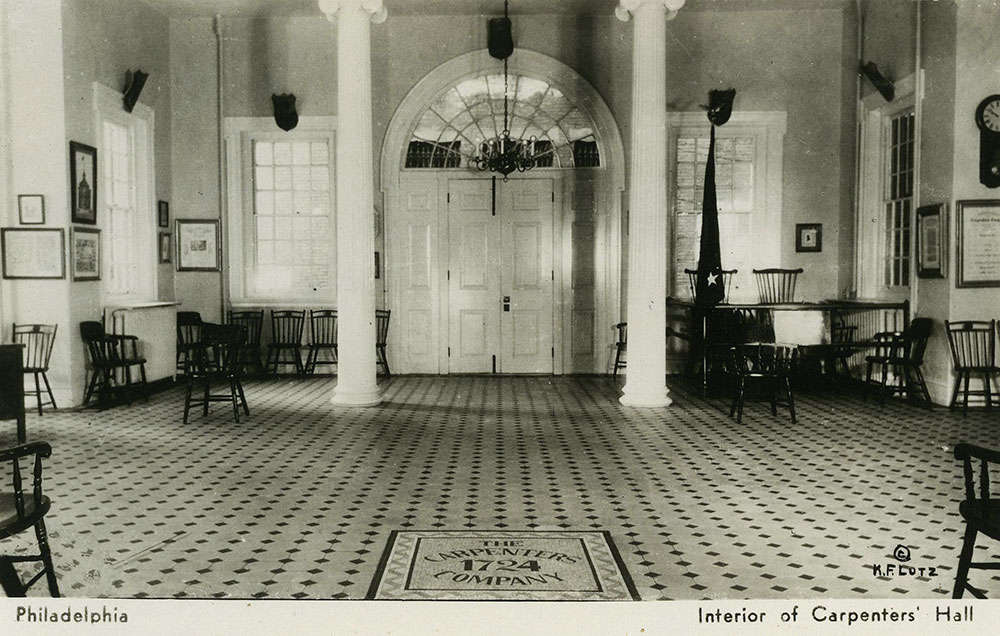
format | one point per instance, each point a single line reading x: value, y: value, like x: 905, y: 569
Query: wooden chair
x: 726, y: 276
x: 253, y: 321
x: 188, y: 336
x: 981, y: 513
x: 841, y: 334
x: 776, y: 285
x: 20, y: 510
x: 286, y: 337
x: 322, y: 337
x: 621, y: 348
x: 12, y: 388
x: 766, y: 363
x: 973, y: 351
x: 112, y: 357
x: 902, y: 353
x: 217, y: 359
x: 37, y: 341
x: 381, y: 335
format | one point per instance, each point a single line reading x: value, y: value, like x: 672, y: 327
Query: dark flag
x: 709, y: 290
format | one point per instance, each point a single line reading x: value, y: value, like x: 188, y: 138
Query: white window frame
x: 870, y: 248
x: 768, y: 130
x: 107, y: 105
x: 240, y: 133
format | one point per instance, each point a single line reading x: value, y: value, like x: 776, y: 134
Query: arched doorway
x: 447, y: 294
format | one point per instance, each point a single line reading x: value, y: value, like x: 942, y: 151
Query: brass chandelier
x: 502, y: 153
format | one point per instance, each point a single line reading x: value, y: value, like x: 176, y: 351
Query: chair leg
x: 885, y: 381
x: 187, y: 398
x: 868, y: 381
x: 955, y: 391
x: 38, y: 393
x: 48, y: 388
x: 234, y: 397
x: 243, y: 397
x: 791, y: 398
x: 310, y: 364
x: 46, y: 555
x: 965, y: 396
x: 618, y: 357
x: 964, y: 561
x: 204, y: 409
x: 987, y: 389
x: 299, y: 367
x: 10, y: 581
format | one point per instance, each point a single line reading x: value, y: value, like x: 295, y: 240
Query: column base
x: 648, y: 396
x: 356, y: 397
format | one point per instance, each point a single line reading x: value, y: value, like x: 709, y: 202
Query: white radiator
x: 155, y: 325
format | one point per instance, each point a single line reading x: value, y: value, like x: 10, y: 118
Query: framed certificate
x: 197, y: 245
x: 932, y: 240
x: 978, y: 223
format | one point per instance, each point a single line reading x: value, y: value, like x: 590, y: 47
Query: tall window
x: 282, y: 240
x: 884, y: 235
x: 125, y: 197
x: 898, y: 204
x: 292, y: 218
x: 747, y: 174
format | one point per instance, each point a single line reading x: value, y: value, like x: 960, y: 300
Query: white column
x: 356, y: 383
x: 647, y: 248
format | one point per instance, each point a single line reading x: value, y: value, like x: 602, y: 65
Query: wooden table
x: 811, y: 330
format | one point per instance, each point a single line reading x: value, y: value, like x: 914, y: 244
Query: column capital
x: 375, y: 8
x: 628, y: 8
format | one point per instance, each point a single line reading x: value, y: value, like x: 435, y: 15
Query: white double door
x: 500, y: 276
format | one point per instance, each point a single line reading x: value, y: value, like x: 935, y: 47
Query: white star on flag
x: 712, y: 278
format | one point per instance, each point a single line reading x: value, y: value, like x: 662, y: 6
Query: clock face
x: 988, y: 114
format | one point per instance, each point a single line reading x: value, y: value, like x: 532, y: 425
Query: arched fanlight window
x: 451, y: 131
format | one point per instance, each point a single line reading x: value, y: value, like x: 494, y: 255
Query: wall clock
x: 988, y: 120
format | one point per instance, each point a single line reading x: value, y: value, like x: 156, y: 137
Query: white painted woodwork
x: 526, y: 275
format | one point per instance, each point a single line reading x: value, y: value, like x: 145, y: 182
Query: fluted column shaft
x: 647, y: 248
x: 356, y: 381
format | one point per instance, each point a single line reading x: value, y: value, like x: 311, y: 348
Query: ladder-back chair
x: 188, y: 336
x: 112, y: 357
x: 973, y: 353
x: 37, y: 341
x: 217, y: 360
x: 286, y: 338
x: 776, y: 285
x: 981, y: 513
x: 621, y: 348
x: 381, y: 335
x: 253, y: 321
x: 322, y: 337
x: 766, y: 363
x: 726, y: 280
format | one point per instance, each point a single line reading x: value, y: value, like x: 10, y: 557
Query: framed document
x: 197, y: 245
x: 978, y: 223
x: 31, y: 209
x: 85, y: 253
x: 932, y: 240
x: 33, y: 253
x: 164, y: 245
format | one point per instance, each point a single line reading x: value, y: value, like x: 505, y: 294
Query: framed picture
x: 85, y: 253
x: 31, y: 209
x: 932, y: 240
x: 163, y: 213
x: 33, y: 252
x: 197, y: 245
x: 83, y: 183
x: 809, y: 237
x: 978, y: 226
x: 165, y: 247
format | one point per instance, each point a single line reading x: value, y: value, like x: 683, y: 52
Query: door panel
x: 473, y: 277
x: 526, y: 275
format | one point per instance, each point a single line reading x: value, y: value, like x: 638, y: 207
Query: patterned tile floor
x: 297, y: 501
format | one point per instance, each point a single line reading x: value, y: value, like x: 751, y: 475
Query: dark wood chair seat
x: 973, y: 354
x: 217, y: 362
x: 38, y: 341
x: 764, y: 363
